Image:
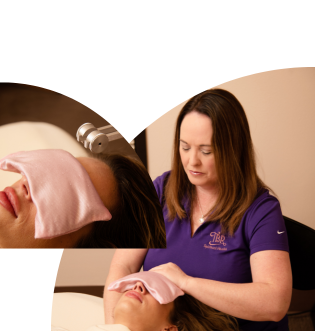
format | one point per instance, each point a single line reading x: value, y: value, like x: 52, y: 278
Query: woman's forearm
x: 251, y: 301
x: 111, y: 297
x: 267, y: 298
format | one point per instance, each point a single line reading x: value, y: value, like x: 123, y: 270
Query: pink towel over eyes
x: 160, y: 287
x: 61, y: 189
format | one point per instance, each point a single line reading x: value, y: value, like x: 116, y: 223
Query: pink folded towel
x: 160, y: 287
x: 61, y: 189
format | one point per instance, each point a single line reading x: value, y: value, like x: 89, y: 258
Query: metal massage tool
x: 96, y: 140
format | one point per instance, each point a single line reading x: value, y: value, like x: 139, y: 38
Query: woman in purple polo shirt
x: 226, y: 238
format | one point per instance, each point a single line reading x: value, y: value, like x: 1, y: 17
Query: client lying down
x: 63, y: 202
x: 151, y: 302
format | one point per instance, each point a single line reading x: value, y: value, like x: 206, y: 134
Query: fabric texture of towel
x: 160, y: 287
x: 61, y: 189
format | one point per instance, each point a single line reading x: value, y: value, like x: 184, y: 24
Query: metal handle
x: 96, y: 140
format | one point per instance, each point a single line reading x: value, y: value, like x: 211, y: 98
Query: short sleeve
x: 265, y: 225
x: 159, y: 185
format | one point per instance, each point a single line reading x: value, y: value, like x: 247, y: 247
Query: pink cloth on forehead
x: 160, y: 287
x: 61, y: 189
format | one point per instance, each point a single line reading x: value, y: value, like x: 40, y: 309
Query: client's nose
x: 25, y: 188
x: 139, y: 287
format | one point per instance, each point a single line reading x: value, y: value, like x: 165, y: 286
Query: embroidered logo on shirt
x: 216, y: 242
x: 280, y: 232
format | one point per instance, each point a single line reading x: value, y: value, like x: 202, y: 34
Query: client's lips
x: 9, y: 200
x: 134, y: 294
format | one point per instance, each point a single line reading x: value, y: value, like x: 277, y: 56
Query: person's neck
x: 207, y: 195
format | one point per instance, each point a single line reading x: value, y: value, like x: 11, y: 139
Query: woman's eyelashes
x: 205, y: 153
x: 202, y: 151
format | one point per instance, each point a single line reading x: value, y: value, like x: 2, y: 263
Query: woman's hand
x: 173, y: 273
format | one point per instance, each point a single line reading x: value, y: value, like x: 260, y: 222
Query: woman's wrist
x: 186, y: 282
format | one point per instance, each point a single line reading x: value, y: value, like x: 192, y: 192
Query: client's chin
x: 128, y: 313
x: 126, y: 308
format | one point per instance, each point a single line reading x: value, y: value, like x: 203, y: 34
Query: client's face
x: 139, y: 311
x: 18, y: 211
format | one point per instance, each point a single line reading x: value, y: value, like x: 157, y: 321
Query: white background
x: 132, y: 61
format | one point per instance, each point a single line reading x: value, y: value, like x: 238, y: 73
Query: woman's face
x: 138, y: 310
x: 196, y: 151
x: 18, y: 211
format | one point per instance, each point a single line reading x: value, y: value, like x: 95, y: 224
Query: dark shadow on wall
x: 19, y: 102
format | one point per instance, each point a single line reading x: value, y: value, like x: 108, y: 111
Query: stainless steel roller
x: 96, y: 140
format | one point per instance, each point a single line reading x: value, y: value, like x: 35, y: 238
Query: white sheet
x: 76, y: 311
x: 110, y: 327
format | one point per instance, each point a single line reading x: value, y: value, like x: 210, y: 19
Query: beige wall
x: 84, y: 267
x: 280, y: 106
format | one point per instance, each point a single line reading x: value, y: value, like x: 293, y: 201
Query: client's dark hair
x: 137, y: 220
x: 189, y: 314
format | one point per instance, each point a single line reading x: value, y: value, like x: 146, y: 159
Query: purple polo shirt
x: 211, y: 255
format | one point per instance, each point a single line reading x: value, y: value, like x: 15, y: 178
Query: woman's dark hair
x: 189, y: 314
x: 234, y: 157
x: 137, y: 220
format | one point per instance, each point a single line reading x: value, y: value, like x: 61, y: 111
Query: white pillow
x: 76, y: 311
